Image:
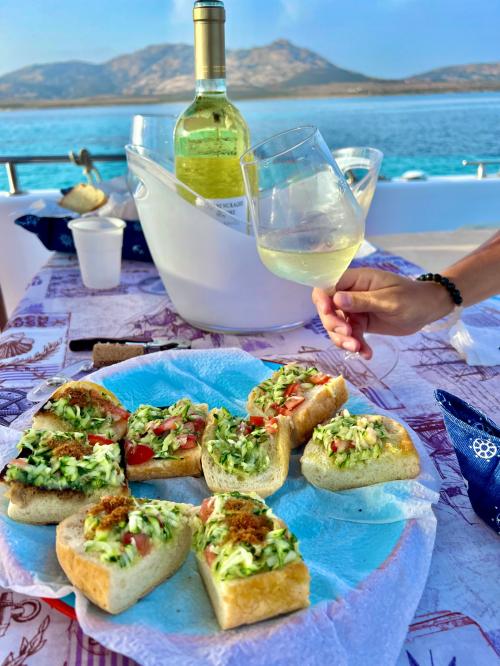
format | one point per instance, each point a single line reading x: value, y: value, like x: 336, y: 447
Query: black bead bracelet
x: 455, y: 294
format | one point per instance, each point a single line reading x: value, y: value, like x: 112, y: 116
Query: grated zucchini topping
x: 237, y: 446
x: 272, y: 392
x: 166, y: 429
x: 350, y: 439
x: 124, y: 529
x: 239, y: 535
x: 66, y: 461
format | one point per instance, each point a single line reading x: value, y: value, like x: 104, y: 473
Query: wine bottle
x: 211, y: 135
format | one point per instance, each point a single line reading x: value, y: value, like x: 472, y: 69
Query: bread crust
x: 257, y: 597
x: 108, y: 586
x: 48, y: 421
x: 29, y: 504
x: 83, y: 198
x: 265, y: 483
x: 321, y: 403
x: 188, y: 464
x: 318, y: 469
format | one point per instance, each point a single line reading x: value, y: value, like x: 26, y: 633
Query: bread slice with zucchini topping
x: 120, y: 549
x: 82, y: 406
x: 350, y: 451
x: 246, y: 454
x: 59, y: 472
x: 306, y: 395
x: 248, y: 559
x: 164, y: 442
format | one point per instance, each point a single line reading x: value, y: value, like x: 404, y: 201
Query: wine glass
x: 155, y: 131
x: 307, y: 222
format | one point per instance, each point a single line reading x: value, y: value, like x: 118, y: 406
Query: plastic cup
x: 98, y: 242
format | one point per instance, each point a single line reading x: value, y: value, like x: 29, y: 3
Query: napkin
x: 359, y: 545
x: 476, y: 440
x: 477, y: 345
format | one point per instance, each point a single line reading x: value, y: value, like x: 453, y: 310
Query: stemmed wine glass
x: 308, y: 224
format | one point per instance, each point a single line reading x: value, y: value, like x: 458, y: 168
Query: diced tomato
x: 244, y: 428
x: 19, y: 462
x: 293, y: 402
x: 291, y: 390
x: 167, y: 425
x: 320, y: 378
x: 334, y: 446
x: 119, y: 412
x: 138, y: 453
x: 256, y: 421
x: 99, y: 439
x: 187, y: 441
x: 272, y: 425
x: 142, y: 542
x: 206, y: 508
x: 199, y: 424
x: 210, y: 556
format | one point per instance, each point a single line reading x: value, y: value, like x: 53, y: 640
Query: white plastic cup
x: 98, y: 242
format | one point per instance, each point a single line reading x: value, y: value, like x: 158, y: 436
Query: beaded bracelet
x: 455, y: 294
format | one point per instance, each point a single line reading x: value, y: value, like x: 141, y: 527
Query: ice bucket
x: 211, y: 271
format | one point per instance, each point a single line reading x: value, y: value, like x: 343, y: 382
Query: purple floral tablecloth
x: 458, y: 619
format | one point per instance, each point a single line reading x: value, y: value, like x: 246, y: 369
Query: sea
x: 432, y: 133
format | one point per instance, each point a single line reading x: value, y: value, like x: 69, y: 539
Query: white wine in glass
x: 307, y: 222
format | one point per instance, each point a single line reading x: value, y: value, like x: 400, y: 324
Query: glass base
x: 281, y: 328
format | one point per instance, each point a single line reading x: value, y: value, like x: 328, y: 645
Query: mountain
x: 60, y: 80
x: 167, y: 69
x: 480, y: 73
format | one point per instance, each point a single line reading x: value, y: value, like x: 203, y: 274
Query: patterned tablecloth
x: 458, y: 619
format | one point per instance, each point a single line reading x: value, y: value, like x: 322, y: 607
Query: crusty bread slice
x: 258, y: 597
x: 83, y: 198
x: 109, y: 586
x: 43, y: 420
x: 389, y: 466
x: 264, y: 484
x: 321, y: 402
x: 187, y: 464
x: 29, y: 504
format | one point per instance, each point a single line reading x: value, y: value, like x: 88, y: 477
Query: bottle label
x: 238, y: 208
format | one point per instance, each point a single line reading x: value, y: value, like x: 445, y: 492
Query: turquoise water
x: 429, y: 132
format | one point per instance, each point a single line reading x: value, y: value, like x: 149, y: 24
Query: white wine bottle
x: 211, y: 135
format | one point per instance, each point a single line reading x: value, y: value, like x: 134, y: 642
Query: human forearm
x: 477, y: 275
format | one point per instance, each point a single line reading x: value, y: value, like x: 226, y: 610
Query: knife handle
x: 87, y: 344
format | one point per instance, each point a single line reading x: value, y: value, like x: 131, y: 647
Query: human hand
x: 376, y: 301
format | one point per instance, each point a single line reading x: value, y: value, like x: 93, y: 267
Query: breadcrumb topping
x: 243, y: 524
x: 116, y: 509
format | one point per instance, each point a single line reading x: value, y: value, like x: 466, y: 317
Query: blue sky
x: 387, y: 38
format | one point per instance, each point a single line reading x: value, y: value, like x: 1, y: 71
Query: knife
x: 155, y: 344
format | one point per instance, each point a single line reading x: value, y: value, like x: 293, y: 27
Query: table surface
x: 457, y: 621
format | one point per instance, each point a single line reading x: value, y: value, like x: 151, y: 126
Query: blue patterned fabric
x: 476, y: 439
x: 54, y: 234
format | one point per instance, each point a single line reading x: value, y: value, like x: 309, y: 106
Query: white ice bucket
x: 211, y: 271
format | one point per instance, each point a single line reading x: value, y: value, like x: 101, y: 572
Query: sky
x: 383, y: 38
